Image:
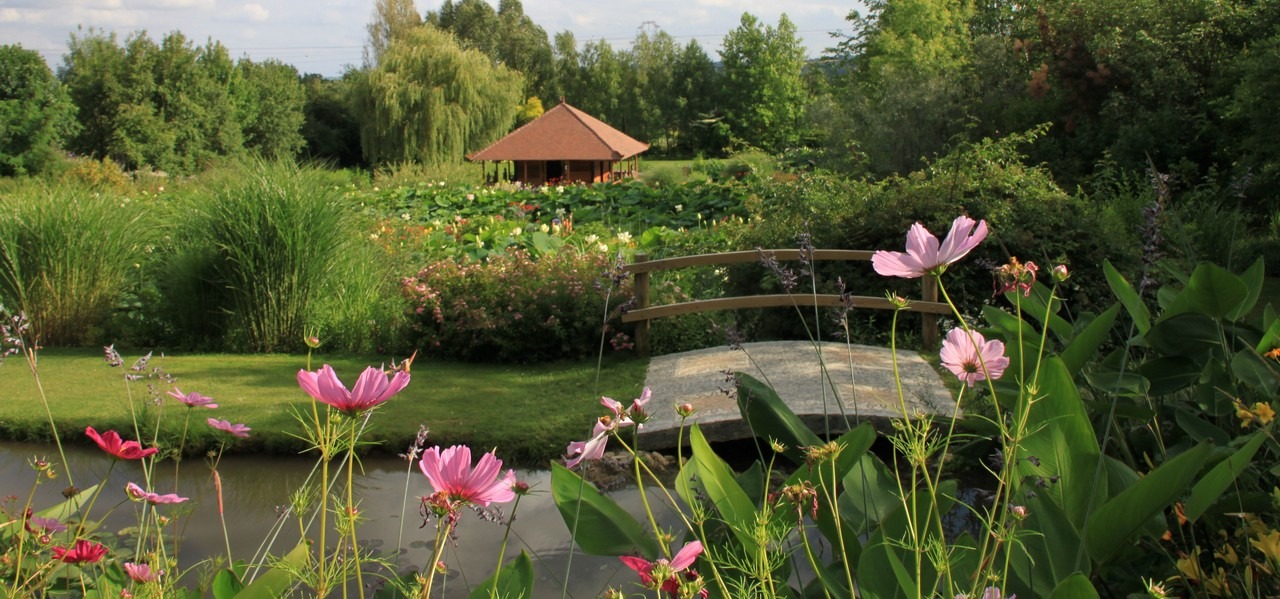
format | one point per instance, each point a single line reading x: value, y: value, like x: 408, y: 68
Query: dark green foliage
x: 330, y: 129
x: 36, y: 114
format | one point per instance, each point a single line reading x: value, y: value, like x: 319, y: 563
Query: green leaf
x: 1128, y: 297
x: 515, y: 581
x: 1270, y: 339
x: 226, y: 584
x: 1169, y: 374
x: 1086, y: 343
x: 1200, y: 429
x: 1253, y: 279
x: 717, y: 480
x: 1189, y: 334
x: 1034, y: 304
x: 1066, y: 446
x: 603, y: 528
x: 1212, y: 291
x: 279, y: 578
x: 1112, y: 526
x: 1249, y: 368
x: 771, y: 418
x: 1209, y: 488
x: 1052, y: 550
x: 1077, y: 586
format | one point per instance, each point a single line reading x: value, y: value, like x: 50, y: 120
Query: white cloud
x: 256, y: 12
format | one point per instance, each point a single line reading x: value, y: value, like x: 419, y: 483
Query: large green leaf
x: 839, y: 527
x: 1200, y: 429
x: 1086, y: 343
x: 1112, y: 526
x: 717, y: 480
x: 1209, y: 488
x: 602, y: 527
x: 1212, y: 291
x: 1128, y: 297
x: 1169, y: 374
x: 1189, y: 334
x: 1065, y: 445
x: 280, y: 578
x: 515, y: 581
x: 1252, y: 370
x: 771, y: 418
x: 1253, y: 279
x: 1052, y: 550
x: 226, y: 583
x: 1075, y: 587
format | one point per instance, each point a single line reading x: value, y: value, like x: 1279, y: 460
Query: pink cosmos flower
x: 111, y: 443
x: 142, y: 573
x: 193, y: 400
x: 593, y: 448
x: 450, y: 474
x: 140, y: 494
x: 83, y: 552
x: 371, y: 389
x: 973, y: 359
x: 925, y: 255
x: 225, y: 426
x: 663, y: 572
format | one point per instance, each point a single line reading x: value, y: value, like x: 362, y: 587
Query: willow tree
x: 431, y: 101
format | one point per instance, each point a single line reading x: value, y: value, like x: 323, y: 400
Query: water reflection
x: 256, y: 490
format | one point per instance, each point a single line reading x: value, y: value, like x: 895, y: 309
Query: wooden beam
x: 744, y: 256
x: 777, y: 301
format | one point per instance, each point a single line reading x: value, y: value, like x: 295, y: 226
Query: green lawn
x: 528, y: 412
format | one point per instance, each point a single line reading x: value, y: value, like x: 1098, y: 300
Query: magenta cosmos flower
x: 225, y: 426
x: 371, y: 389
x: 140, y: 494
x: 83, y: 552
x: 665, y: 573
x: 450, y: 474
x: 193, y: 400
x: 111, y: 443
x: 925, y: 255
x: 973, y: 359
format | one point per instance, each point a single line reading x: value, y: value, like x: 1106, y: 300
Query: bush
x: 512, y: 308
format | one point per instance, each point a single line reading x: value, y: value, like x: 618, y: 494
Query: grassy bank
x: 529, y: 412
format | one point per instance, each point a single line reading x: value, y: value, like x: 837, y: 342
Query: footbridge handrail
x: 927, y: 304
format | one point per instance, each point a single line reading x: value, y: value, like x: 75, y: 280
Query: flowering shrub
x: 513, y: 308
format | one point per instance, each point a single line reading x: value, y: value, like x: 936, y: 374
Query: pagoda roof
x: 563, y: 133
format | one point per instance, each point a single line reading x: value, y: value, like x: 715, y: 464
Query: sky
x: 326, y: 36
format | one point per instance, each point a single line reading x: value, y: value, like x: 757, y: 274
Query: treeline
x: 1185, y: 87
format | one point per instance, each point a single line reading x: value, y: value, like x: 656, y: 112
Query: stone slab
x: 856, y: 385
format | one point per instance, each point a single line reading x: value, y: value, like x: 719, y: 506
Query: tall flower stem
x: 502, y: 550
x: 442, y: 532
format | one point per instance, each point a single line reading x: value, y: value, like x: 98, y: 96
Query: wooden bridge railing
x: 927, y: 304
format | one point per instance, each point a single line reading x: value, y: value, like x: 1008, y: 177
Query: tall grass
x: 267, y: 254
x: 66, y: 255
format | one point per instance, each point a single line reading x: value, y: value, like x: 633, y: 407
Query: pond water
x: 256, y: 490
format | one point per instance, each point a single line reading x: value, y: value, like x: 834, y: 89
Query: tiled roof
x: 563, y: 133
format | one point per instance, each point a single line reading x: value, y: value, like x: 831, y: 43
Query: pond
x: 256, y: 490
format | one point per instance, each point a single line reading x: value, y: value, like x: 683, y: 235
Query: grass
x: 529, y: 413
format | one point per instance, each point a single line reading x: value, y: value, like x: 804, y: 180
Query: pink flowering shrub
x: 512, y: 308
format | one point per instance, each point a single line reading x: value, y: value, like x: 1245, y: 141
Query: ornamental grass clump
x: 67, y: 255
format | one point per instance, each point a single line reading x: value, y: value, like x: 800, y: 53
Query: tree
x: 36, y: 114
x: 648, y: 104
x: 430, y: 100
x: 391, y: 20
x: 763, y: 83
x: 164, y: 105
x: 696, y: 119
x: 270, y: 101
x: 507, y: 35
